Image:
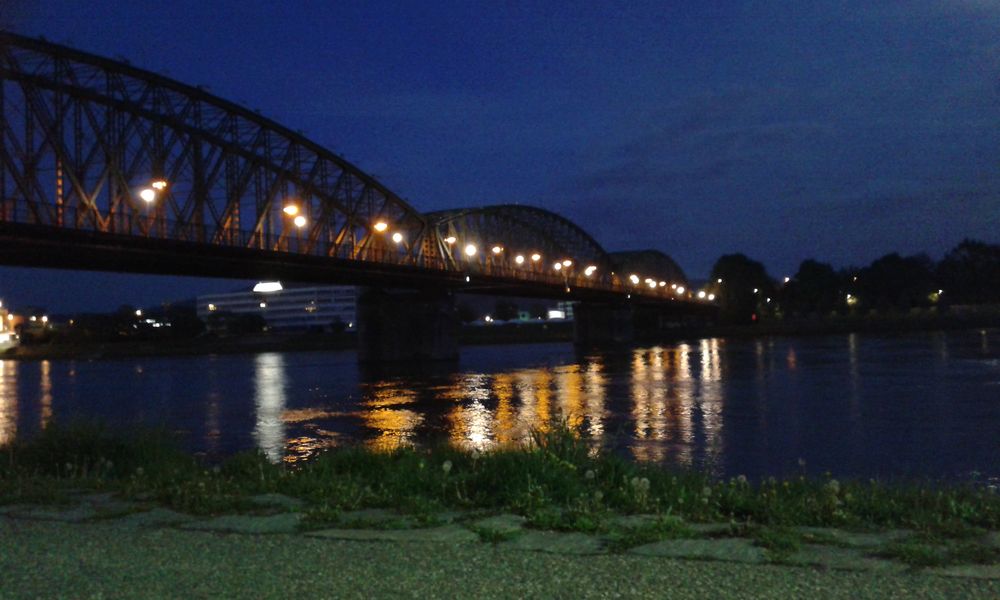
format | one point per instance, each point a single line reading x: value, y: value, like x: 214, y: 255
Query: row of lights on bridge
x: 149, y: 195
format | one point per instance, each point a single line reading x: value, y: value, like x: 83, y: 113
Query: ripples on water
x: 853, y: 405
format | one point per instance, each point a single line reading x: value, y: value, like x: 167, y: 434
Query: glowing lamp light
x: 557, y: 266
x: 497, y: 249
x: 266, y: 287
x: 719, y: 280
x: 263, y: 304
x: 711, y: 297
x: 159, y: 185
x: 380, y: 227
x: 397, y: 237
x: 567, y: 262
x: 787, y: 279
x: 536, y: 257
x: 663, y: 284
x: 450, y: 240
x: 299, y: 221
x: 148, y: 194
x: 589, y: 270
x: 519, y: 259
x: 291, y: 210
x: 702, y: 294
x: 633, y: 278
x: 680, y: 289
x: 470, y: 250
x: 673, y: 286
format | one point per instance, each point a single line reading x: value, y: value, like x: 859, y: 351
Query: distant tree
x: 970, y: 273
x: 466, y: 313
x: 816, y: 288
x: 505, y: 310
x: 894, y: 282
x: 538, y: 311
x: 738, y: 302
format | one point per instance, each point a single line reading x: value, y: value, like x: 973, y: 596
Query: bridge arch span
x: 85, y: 138
x: 523, y: 240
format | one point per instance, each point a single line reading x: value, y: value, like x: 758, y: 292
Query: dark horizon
x: 835, y: 133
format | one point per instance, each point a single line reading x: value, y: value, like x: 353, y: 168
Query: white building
x: 287, y: 309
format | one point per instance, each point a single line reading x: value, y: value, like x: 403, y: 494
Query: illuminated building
x: 287, y: 308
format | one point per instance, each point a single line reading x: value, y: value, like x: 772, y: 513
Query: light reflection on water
x: 849, y: 404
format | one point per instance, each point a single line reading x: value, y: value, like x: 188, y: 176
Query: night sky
x: 835, y: 130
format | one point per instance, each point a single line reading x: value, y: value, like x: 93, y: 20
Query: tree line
x: 969, y: 274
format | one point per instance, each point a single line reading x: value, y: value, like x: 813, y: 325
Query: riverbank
x: 114, y: 558
x: 553, y: 495
x: 505, y: 333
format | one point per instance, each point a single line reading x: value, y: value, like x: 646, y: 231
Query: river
x: 915, y: 405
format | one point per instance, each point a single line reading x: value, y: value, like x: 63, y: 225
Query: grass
x: 556, y: 482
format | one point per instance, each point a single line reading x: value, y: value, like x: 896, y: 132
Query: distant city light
x: 470, y: 250
x: 263, y: 304
x: 397, y: 237
x: 589, y: 270
x: 450, y: 239
x: 673, y: 286
x: 567, y: 263
x: 497, y: 249
x: 557, y: 266
x: 719, y: 280
x: 702, y: 294
x: 663, y: 284
x: 45, y: 319
x: 148, y: 194
x: 711, y: 297
x: 755, y: 290
x: 291, y: 210
x: 265, y: 287
x: 159, y: 184
x: 380, y: 226
x: 536, y: 257
x: 787, y: 279
x: 211, y: 307
x: 680, y: 289
x: 299, y: 221
x: 633, y: 278
x: 138, y: 312
x: 651, y: 284
x: 519, y: 259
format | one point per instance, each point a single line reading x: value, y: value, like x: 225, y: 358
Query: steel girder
x: 522, y: 231
x: 82, y: 136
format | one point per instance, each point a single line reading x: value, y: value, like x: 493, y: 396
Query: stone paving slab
x: 730, y: 549
x: 74, y: 514
x: 711, y: 529
x: 444, y: 534
x: 835, y: 557
x: 556, y: 543
x: 156, y: 517
x: 853, y: 539
x: 14, y: 508
x: 278, y: 501
x: 279, y: 523
x: 504, y: 524
x: 974, y: 571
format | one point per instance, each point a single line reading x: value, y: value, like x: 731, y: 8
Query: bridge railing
x: 292, y: 241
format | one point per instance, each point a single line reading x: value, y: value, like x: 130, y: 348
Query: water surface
x: 853, y: 405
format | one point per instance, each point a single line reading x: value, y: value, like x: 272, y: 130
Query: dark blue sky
x: 835, y: 130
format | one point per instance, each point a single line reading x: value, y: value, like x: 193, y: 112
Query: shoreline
x: 495, y: 335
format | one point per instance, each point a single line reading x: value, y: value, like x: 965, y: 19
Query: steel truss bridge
x: 109, y: 167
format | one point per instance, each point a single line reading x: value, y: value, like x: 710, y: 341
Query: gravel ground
x: 107, y: 560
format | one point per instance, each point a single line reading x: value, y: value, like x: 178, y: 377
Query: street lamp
x: 470, y: 250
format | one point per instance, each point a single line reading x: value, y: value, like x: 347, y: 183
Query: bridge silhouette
x: 109, y: 167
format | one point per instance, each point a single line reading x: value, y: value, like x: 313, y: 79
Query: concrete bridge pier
x: 406, y: 325
x: 597, y: 324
